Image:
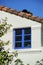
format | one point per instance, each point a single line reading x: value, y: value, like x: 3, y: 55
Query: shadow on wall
x: 42, y: 35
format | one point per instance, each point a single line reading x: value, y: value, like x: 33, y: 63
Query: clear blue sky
x: 34, y: 6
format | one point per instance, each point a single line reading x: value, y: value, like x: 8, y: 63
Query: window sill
x: 27, y: 50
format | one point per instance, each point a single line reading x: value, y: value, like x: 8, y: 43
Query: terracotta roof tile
x: 21, y: 14
x: 32, y: 17
x: 42, y: 20
x: 38, y: 19
x: 29, y: 15
x: 1, y: 7
x: 10, y: 10
x: 5, y: 9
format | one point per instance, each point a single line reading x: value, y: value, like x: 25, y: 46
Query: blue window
x: 22, y: 38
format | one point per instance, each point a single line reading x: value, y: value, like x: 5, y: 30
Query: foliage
x: 5, y: 56
x: 39, y: 62
x: 18, y: 62
x: 2, y: 43
x: 4, y: 27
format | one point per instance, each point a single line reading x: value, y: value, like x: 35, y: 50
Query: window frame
x: 22, y: 41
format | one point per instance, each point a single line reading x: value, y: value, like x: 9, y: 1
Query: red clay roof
x: 21, y: 14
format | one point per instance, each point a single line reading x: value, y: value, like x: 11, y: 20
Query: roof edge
x: 21, y: 14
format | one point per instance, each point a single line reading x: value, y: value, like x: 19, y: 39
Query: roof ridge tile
x: 21, y: 14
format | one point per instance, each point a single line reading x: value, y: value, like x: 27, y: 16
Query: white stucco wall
x: 27, y: 55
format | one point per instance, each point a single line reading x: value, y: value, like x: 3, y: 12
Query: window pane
x: 27, y: 31
x: 18, y: 44
x: 27, y: 37
x: 18, y: 38
x: 27, y: 44
x: 23, y: 37
x: 18, y: 31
